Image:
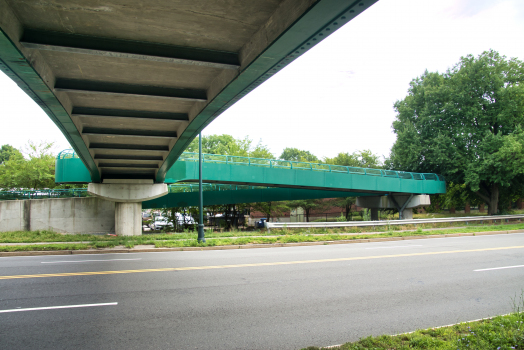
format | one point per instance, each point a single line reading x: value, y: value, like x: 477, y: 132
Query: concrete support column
x: 374, y: 214
x: 128, y: 195
x: 407, y: 214
x: 128, y: 219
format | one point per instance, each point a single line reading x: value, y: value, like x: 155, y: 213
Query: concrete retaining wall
x: 64, y: 215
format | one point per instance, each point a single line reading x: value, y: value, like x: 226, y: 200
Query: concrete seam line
x: 191, y: 268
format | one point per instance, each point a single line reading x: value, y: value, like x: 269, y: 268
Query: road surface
x: 269, y: 298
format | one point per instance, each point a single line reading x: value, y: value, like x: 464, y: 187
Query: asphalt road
x: 272, y: 298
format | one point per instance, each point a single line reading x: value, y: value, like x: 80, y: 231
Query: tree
x: 361, y: 159
x: 7, y: 151
x: 466, y: 124
x: 37, y: 171
x: 298, y: 155
x: 228, y: 145
x: 270, y: 208
x: 346, y: 203
x: 309, y: 205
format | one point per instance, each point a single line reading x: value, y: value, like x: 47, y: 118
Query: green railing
x: 285, y: 164
x: 82, y: 192
x: 67, y: 154
x: 43, y: 194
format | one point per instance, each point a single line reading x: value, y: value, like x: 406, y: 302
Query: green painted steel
x: 19, y: 69
x: 70, y: 169
x: 43, y: 194
x: 279, y: 173
x: 322, y: 19
x: 183, y: 195
x: 215, y: 194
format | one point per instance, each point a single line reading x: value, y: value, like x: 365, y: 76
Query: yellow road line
x: 189, y: 268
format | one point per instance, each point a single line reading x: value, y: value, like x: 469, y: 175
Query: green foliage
x: 228, y: 145
x: 7, y: 151
x: 310, y: 205
x: 298, y: 155
x: 270, y: 208
x: 466, y: 124
x: 360, y: 159
x: 35, y: 171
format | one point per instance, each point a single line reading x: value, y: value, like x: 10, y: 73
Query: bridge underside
x: 130, y: 83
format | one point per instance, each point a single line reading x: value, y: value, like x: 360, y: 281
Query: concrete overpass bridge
x: 131, y: 83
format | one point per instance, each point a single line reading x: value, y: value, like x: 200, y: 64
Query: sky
x: 339, y: 96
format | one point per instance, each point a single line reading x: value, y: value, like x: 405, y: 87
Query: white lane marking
x: 82, y: 261
x: 397, y: 246
x: 57, y: 307
x: 499, y: 268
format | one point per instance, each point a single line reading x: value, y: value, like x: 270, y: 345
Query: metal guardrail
x: 285, y: 164
x: 494, y: 218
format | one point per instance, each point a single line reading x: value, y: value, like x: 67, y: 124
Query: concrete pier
x: 128, y: 195
x: 402, y: 202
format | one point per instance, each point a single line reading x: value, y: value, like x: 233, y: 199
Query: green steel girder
x: 17, y: 67
x: 185, y: 199
x: 71, y: 170
x: 300, y: 178
x: 316, y: 24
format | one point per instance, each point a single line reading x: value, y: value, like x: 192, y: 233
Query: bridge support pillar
x: 128, y: 195
x: 403, y: 202
x: 128, y: 219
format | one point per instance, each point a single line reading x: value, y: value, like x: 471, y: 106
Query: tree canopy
x: 228, y: 145
x: 298, y: 155
x: 361, y: 159
x: 466, y: 124
x: 37, y: 171
x: 7, y: 151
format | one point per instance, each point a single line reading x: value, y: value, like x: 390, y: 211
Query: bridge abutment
x: 128, y: 195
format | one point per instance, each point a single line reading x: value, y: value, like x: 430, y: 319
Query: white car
x: 160, y: 223
x: 184, y: 219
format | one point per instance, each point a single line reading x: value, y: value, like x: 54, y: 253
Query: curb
x: 246, y: 246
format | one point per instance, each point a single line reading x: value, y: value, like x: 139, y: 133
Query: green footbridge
x: 233, y: 179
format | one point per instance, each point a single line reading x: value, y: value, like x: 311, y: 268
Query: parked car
x: 184, y: 219
x: 160, y: 223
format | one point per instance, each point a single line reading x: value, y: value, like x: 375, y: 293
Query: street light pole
x: 201, y: 237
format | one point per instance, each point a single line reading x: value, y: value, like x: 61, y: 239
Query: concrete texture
x: 63, y: 215
x: 128, y: 219
x: 127, y: 192
x: 385, y: 202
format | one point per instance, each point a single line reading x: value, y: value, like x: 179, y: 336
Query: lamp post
x: 201, y: 238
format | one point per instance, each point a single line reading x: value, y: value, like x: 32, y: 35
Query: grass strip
x: 188, y: 239
x: 502, y: 333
